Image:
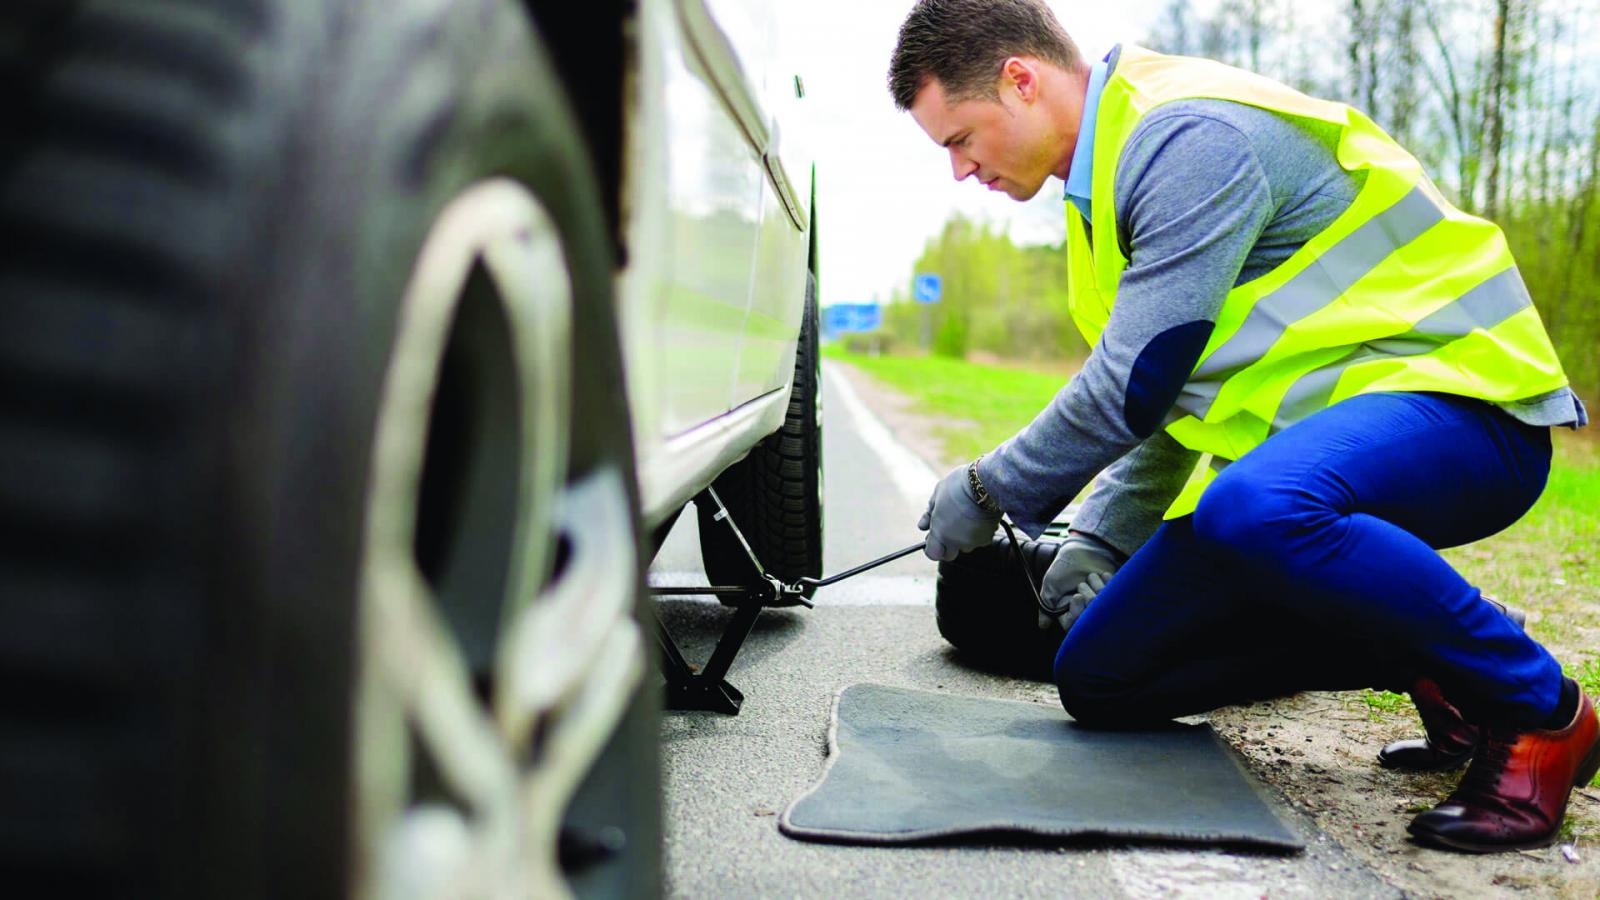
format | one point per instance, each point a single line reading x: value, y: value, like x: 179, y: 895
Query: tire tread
x: 774, y: 493
x: 112, y: 205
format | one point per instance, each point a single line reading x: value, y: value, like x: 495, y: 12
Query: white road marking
x: 1199, y: 875
x: 879, y: 590
x: 913, y: 477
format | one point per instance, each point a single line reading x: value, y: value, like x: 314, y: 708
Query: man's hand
x: 955, y: 523
x: 1080, y: 570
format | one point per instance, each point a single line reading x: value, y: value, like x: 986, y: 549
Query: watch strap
x: 979, y: 492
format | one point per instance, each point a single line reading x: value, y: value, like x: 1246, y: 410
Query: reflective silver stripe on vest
x: 1485, y: 306
x: 1197, y: 396
x: 1318, y: 285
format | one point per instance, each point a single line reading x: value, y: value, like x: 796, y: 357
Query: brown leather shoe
x: 1514, y: 795
x: 1450, y: 739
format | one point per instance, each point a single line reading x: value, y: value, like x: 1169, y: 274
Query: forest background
x: 1499, y: 99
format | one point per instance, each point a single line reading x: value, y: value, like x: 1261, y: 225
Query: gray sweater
x: 1210, y: 194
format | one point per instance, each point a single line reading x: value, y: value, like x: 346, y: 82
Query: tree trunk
x: 1358, y: 29
x: 1494, y: 97
x: 1254, y: 26
x: 1457, y: 105
x: 1403, y: 95
x: 1374, y: 35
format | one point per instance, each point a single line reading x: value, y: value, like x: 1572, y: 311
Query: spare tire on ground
x: 986, y: 610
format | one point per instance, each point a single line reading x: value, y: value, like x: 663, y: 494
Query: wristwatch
x: 985, y: 502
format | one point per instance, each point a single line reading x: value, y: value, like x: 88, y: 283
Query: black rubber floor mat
x: 907, y: 766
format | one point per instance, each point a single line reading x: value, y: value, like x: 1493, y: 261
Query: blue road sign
x: 844, y: 318
x: 927, y: 288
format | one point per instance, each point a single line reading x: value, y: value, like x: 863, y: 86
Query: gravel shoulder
x: 1319, y: 749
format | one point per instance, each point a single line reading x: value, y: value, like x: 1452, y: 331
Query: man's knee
x: 1090, y: 697
x: 1248, y: 514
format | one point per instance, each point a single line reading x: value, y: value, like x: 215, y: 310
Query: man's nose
x: 960, y: 165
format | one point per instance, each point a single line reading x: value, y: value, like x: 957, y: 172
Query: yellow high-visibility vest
x: 1402, y: 292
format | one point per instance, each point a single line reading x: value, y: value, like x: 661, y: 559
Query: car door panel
x: 717, y: 239
x: 740, y: 49
x: 777, y: 299
x: 696, y: 185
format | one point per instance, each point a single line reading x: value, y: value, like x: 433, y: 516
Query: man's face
x: 1008, y: 145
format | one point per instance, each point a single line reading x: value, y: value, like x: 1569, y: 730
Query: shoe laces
x: 1494, y: 752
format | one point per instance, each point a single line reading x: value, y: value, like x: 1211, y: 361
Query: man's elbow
x: 1159, y: 374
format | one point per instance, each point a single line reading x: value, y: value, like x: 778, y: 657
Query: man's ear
x: 1022, y: 76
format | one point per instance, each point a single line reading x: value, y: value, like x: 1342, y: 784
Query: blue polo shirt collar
x: 1080, y: 176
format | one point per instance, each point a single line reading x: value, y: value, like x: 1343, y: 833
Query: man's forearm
x: 1038, y: 471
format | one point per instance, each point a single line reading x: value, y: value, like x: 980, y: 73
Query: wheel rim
x: 476, y: 716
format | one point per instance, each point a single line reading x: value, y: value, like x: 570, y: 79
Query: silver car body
x: 717, y: 219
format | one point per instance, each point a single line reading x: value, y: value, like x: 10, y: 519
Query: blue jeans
x: 1310, y: 564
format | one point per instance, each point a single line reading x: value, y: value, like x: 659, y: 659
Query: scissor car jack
x: 708, y: 689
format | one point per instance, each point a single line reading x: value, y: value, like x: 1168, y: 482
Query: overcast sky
x: 883, y: 187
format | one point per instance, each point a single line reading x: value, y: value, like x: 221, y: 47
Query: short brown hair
x: 963, y: 43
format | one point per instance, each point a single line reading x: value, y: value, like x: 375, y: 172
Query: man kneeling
x: 1310, y: 371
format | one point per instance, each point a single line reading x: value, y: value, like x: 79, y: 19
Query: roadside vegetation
x: 977, y: 405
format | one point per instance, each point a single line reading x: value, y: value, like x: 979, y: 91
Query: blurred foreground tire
x: 775, y: 492
x: 310, y: 585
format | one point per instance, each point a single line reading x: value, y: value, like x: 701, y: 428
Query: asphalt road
x: 727, y: 778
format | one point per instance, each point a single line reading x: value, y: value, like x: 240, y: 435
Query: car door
x: 766, y: 87
x: 705, y: 333
x: 697, y: 221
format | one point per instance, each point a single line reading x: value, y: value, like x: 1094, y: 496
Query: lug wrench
x: 1016, y: 548
x: 796, y: 590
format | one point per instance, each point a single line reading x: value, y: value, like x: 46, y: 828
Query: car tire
x: 774, y: 494
x: 218, y: 220
x: 985, y: 609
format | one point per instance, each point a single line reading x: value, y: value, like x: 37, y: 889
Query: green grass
x: 1588, y: 675
x: 1384, y: 703
x: 1570, y: 505
x: 1545, y: 562
x: 982, y: 405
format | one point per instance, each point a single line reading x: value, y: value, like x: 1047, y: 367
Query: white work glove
x: 1079, y: 572
x: 955, y: 523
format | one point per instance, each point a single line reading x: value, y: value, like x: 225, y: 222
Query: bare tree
x: 1404, y: 98
x: 1252, y: 18
x: 1217, y: 39
x: 1577, y: 226
x: 1494, y: 100
x: 1172, y: 32
x: 1366, y: 39
x: 1457, y: 92
x: 1354, y: 49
